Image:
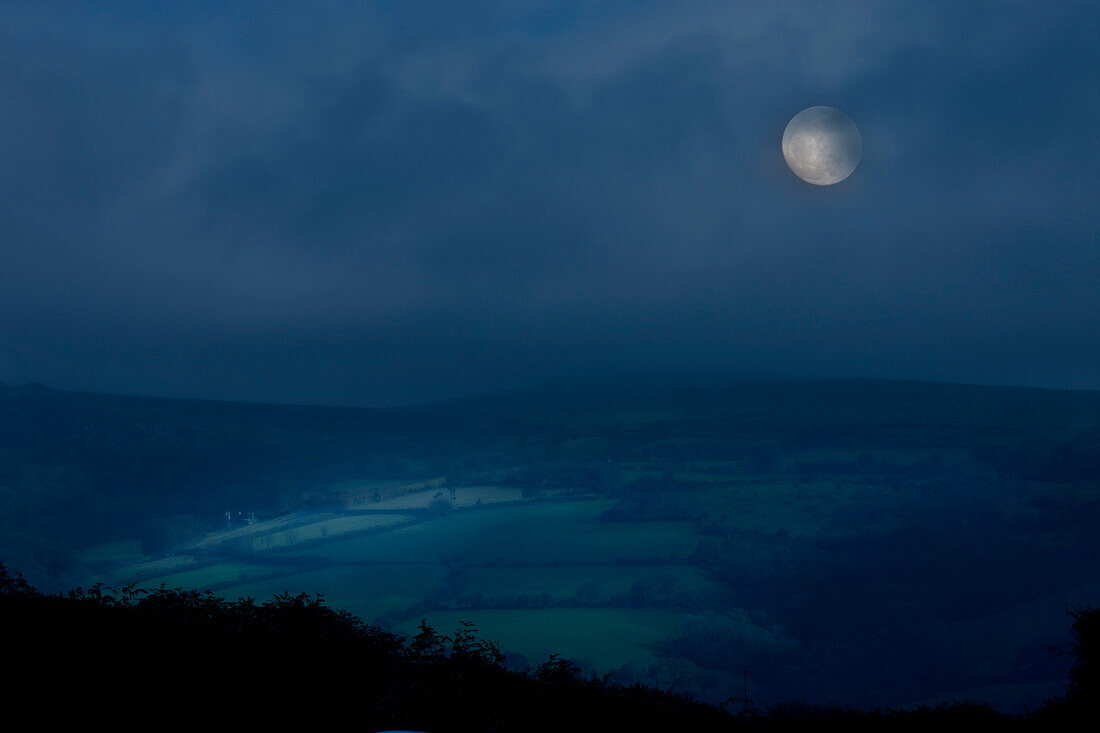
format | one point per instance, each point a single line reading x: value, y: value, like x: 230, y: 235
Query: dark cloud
x: 377, y: 203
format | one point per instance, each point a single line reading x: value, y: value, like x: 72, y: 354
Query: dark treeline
x: 136, y: 659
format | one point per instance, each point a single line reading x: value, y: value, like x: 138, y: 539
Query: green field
x: 212, y: 576
x: 366, y: 591
x: 464, y: 496
x: 327, y: 529
x: 551, y: 551
x: 770, y: 505
x: 146, y: 571
x: 597, y: 583
x: 604, y: 638
x: 550, y: 532
x: 121, y: 551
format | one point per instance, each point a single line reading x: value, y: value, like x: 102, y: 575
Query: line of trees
x: 139, y: 659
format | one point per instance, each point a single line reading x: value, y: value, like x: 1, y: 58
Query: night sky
x: 376, y: 203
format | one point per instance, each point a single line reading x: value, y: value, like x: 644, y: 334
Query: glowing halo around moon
x: 822, y: 145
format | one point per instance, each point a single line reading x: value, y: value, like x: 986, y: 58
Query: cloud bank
x: 388, y: 202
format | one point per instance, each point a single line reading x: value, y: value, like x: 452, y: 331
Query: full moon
x: 822, y: 145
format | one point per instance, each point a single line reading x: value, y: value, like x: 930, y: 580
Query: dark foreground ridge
x: 142, y: 659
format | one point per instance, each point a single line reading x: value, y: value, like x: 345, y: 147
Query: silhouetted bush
x: 1084, y: 676
x: 166, y: 658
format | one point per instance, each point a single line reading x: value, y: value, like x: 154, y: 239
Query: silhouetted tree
x: 1084, y: 676
x: 556, y: 670
x: 12, y: 584
x: 467, y: 645
x: 428, y: 644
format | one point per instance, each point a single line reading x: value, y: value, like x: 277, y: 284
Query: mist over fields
x: 849, y: 542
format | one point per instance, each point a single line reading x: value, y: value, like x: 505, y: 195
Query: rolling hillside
x: 840, y: 538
